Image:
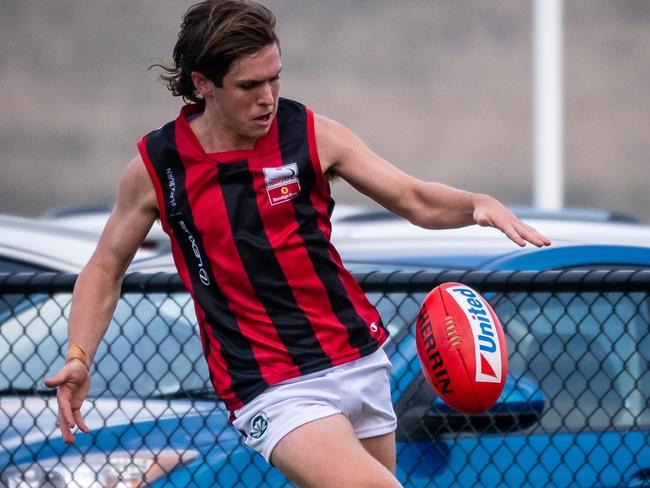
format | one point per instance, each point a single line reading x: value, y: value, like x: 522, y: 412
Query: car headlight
x: 96, y: 470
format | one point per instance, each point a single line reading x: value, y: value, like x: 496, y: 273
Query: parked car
x: 30, y: 245
x: 159, y: 423
x: 576, y: 407
x: 92, y: 219
x: 580, y: 237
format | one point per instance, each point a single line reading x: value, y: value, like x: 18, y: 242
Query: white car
x: 379, y: 237
x: 37, y: 245
x: 92, y: 219
x: 33, y: 326
x: 367, y: 238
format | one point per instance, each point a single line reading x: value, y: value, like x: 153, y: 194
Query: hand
x: 488, y: 212
x: 72, y: 383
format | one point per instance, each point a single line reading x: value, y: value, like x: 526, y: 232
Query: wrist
x: 479, y: 200
x: 483, y: 207
x: 75, y: 351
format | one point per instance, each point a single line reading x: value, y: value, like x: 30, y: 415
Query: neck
x: 215, y: 136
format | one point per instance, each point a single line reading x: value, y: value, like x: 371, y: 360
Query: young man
x: 239, y: 183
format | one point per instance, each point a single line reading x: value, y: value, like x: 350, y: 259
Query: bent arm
x: 97, y: 290
x: 98, y: 287
x: 426, y: 204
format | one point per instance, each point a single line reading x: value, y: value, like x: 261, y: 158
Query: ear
x: 202, y: 84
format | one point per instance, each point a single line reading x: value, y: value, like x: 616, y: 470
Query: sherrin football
x: 462, y: 348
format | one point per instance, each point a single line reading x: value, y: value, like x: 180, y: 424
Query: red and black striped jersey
x: 250, y: 235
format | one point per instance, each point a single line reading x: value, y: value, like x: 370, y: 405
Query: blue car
x: 574, y: 412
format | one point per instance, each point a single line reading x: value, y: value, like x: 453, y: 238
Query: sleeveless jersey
x: 250, y: 236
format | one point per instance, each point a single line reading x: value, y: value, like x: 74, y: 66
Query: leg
x: 382, y: 448
x: 326, y: 453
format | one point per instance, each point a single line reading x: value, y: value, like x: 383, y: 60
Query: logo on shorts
x: 259, y: 424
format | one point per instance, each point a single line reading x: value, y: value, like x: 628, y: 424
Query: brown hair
x: 214, y: 33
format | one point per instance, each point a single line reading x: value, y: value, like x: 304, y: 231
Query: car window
x: 9, y: 302
x: 588, y: 352
x: 152, y: 346
x: 8, y: 265
x: 31, y: 338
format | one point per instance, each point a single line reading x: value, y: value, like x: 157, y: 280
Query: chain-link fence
x: 575, y: 410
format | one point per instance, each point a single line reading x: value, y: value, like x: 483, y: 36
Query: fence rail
x: 378, y: 281
x: 575, y: 411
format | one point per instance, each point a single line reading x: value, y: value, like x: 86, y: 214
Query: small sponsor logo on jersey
x: 259, y: 425
x: 203, y: 274
x: 486, y: 342
x: 171, y: 189
x: 282, y: 183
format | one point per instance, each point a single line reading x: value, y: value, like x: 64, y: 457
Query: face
x: 244, y: 107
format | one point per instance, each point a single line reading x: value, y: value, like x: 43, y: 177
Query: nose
x: 265, y: 95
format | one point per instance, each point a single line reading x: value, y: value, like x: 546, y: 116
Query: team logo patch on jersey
x: 282, y: 183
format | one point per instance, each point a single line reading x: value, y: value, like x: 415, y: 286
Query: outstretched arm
x: 97, y: 290
x: 426, y: 204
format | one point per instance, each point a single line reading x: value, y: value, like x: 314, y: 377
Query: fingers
x: 79, y: 421
x: 490, y: 213
x: 69, y: 418
x: 531, y: 235
x: 65, y: 408
x: 516, y: 230
x: 521, y: 233
x: 65, y: 428
x: 66, y: 418
x: 514, y: 235
x: 56, y: 380
x: 69, y: 413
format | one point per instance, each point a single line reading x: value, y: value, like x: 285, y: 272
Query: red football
x: 462, y: 348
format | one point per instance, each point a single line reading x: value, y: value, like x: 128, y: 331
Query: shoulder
x: 158, y: 142
x: 159, y: 138
x: 136, y: 185
x: 135, y: 170
x: 330, y: 128
x: 292, y: 111
x: 336, y: 143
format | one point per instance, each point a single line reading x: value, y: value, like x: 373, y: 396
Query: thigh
x: 326, y: 453
x: 382, y: 448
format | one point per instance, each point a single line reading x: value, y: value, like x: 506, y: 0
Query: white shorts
x: 360, y: 390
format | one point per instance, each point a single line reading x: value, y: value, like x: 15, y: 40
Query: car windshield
x: 8, y: 302
x: 586, y: 351
x: 151, y: 348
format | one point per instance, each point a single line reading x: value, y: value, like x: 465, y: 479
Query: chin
x: 257, y: 133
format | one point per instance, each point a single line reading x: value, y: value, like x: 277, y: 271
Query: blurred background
x: 443, y: 89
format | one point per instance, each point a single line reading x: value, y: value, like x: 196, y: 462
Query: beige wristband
x: 75, y: 351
